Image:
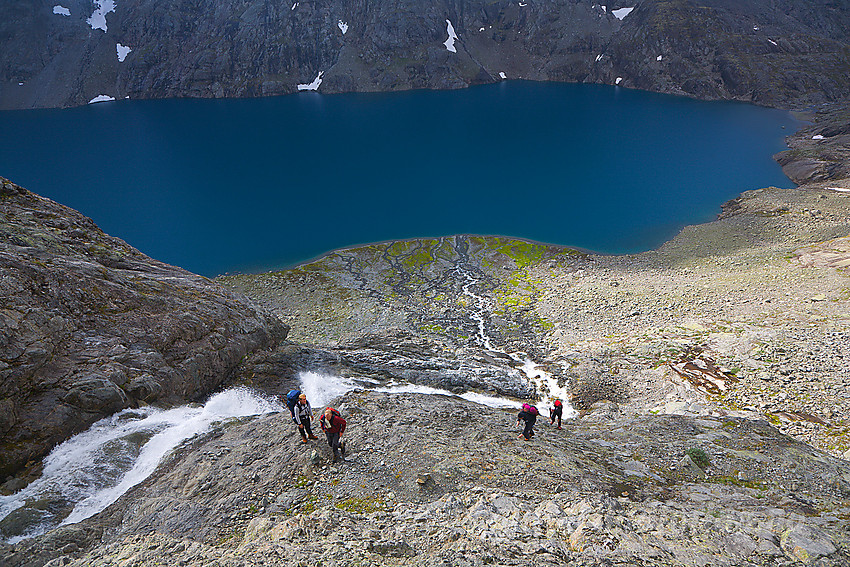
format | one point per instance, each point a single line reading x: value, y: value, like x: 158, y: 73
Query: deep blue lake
x: 254, y: 184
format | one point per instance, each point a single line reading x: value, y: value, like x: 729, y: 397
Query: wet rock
x: 96, y: 395
x: 145, y: 388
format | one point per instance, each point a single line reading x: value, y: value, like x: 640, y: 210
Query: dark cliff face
x: 786, y: 52
x: 765, y: 52
x: 89, y: 326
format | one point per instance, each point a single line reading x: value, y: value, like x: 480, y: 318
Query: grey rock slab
x: 806, y: 543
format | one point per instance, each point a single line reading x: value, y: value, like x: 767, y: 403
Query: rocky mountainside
x: 744, y: 316
x: 436, y: 481
x: 90, y: 325
x: 55, y: 54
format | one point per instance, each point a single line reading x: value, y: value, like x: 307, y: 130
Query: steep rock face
x: 89, y: 325
x: 715, y: 49
x: 790, y: 52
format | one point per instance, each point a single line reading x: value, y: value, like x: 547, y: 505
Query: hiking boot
x: 312, y: 437
x: 304, y: 441
x: 559, y: 427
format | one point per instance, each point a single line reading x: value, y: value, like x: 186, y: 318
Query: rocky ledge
x: 433, y: 480
x: 89, y: 326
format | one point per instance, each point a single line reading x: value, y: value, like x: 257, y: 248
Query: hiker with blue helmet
x: 529, y: 416
x: 302, y: 415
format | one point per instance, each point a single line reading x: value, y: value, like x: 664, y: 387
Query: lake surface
x: 254, y: 184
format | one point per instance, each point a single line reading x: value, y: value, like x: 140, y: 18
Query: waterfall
x: 322, y: 388
x: 91, y: 470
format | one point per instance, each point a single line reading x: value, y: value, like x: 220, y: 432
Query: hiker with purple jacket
x: 529, y: 416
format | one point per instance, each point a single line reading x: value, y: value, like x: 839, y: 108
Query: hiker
x: 333, y: 425
x: 556, y: 411
x: 302, y: 414
x: 529, y: 416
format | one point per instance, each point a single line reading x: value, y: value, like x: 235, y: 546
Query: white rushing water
x: 91, y: 470
x: 321, y: 388
x: 547, y: 385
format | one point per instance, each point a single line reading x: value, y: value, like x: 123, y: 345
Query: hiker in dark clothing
x: 333, y: 425
x: 556, y: 411
x: 529, y: 416
x: 302, y: 414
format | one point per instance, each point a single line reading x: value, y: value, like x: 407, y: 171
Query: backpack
x: 292, y: 399
x: 532, y: 410
x: 328, y: 422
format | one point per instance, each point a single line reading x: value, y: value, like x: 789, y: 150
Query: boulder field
x: 437, y: 481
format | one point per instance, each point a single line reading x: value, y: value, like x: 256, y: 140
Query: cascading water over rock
x: 90, y: 471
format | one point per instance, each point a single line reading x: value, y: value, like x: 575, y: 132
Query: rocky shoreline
x: 759, y: 295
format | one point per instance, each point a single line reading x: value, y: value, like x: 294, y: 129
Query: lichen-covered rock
x: 89, y: 325
x: 807, y: 544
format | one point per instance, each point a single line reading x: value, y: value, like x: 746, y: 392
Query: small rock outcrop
x: 90, y: 325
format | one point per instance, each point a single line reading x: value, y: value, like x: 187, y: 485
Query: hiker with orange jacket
x: 334, y: 426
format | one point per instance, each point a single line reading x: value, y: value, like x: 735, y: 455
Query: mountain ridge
x: 790, y: 54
